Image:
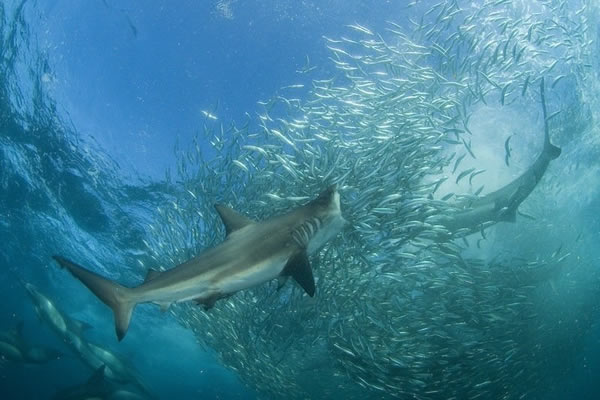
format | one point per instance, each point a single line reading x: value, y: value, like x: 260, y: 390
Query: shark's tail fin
x: 551, y: 150
x: 116, y: 296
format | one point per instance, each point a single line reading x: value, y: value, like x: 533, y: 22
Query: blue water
x: 95, y: 99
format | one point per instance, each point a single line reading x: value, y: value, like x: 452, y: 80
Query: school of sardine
x: 404, y: 308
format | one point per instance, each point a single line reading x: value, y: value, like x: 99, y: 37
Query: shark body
x: 252, y: 253
x: 502, y: 204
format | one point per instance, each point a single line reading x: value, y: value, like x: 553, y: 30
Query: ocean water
x: 122, y: 123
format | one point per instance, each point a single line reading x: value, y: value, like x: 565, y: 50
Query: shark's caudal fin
x: 116, y: 296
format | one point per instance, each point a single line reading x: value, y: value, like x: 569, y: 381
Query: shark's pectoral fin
x: 151, y: 274
x: 232, y: 219
x: 298, y: 267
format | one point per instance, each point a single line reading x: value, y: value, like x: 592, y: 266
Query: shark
x: 14, y: 347
x: 502, y: 204
x: 252, y: 253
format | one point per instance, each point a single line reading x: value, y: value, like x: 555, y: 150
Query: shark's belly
x: 218, y: 282
x: 251, y: 276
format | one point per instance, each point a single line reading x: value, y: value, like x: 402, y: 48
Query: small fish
x: 557, y: 251
x: 464, y: 173
x: 468, y: 147
x: 360, y: 28
x: 209, y: 115
x: 503, y: 94
x: 474, y: 174
x: 447, y: 197
x: 558, y: 79
x: 525, y: 86
x: 457, y: 162
x: 306, y: 68
x: 554, y: 114
x: 507, y: 150
x: 438, y: 183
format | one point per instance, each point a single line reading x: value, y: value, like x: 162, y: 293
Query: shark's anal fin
x: 209, y: 302
x: 298, y: 267
x: 232, y: 219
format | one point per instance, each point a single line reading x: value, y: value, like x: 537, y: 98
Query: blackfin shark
x: 502, y: 204
x: 251, y: 254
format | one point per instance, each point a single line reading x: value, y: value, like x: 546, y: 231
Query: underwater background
x: 122, y: 123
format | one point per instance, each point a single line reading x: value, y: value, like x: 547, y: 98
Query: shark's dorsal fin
x: 298, y: 267
x: 232, y: 219
x: 97, y: 377
x: 151, y: 274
